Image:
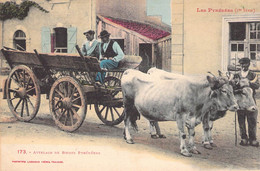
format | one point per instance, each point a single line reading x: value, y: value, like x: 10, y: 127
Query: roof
x: 141, y: 28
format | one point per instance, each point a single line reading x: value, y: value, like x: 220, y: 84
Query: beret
x: 89, y: 32
x: 244, y: 60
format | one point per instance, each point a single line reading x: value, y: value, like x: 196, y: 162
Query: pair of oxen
x: 189, y: 100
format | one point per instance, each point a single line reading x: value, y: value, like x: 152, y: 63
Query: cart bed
x: 52, y: 60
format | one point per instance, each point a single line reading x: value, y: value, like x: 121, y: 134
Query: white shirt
x: 244, y: 73
x: 91, y: 42
x: 117, y: 49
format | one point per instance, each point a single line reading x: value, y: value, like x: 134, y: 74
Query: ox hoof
x: 154, y: 136
x: 195, y: 151
x: 207, y: 146
x: 130, y: 141
x: 213, y: 145
x: 186, y: 153
x: 162, y: 136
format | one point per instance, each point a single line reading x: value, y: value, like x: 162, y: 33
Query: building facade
x: 57, y: 31
x: 210, y: 35
x: 61, y: 29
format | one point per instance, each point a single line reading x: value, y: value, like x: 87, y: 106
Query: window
x: 19, y: 40
x: 245, y: 42
x: 238, y: 31
x: 60, y: 40
x: 254, y: 44
x: 254, y: 31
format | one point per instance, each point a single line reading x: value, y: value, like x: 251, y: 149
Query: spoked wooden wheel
x: 111, y: 112
x: 67, y: 104
x: 23, y: 93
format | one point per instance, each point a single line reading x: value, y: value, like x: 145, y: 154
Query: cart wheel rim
x: 111, y: 115
x: 67, y: 104
x: 23, y: 93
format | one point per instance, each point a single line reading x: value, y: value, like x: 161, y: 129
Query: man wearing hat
x: 110, y: 54
x: 242, y: 114
x: 91, y: 46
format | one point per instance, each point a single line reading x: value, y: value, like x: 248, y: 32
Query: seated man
x: 91, y: 46
x: 110, y: 54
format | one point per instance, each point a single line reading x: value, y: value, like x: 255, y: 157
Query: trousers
x: 251, y: 121
x: 105, y: 64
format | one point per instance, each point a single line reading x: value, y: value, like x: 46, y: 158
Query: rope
x: 235, y: 111
x: 235, y: 128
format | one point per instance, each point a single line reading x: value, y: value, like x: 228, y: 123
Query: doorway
x: 145, y: 51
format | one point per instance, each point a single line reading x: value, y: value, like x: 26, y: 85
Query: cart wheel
x: 23, y: 93
x: 111, y: 114
x: 67, y: 104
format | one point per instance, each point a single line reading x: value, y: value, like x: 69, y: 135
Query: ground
x: 97, y: 147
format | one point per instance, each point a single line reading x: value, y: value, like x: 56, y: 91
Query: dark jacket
x: 109, y: 51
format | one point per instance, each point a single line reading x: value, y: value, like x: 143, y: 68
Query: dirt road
x: 97, y: 147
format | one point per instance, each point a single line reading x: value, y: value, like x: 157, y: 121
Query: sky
x: 160, y: 7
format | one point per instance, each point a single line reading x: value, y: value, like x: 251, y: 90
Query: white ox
x: 243, y: 95
x: 181, y: 100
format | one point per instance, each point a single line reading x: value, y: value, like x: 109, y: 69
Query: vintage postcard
x: 129, y: 84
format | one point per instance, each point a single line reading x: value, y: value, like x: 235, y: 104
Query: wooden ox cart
x: 68, y: 82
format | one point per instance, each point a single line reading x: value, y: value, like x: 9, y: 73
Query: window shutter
x: 72, y: 39
x: 46, y: 40
x: 53, y: 39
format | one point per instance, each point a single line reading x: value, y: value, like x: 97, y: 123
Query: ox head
x: 243, y: 93
x: 222, y: 94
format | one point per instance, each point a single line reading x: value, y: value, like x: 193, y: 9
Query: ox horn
x: 220, y: 73
x: 228, y: 74
x: 211, y: 74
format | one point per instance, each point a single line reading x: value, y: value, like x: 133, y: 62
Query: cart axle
x: 66, y: 103
x: 21, y: 92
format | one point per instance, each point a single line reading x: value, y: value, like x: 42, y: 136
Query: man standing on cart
x: 110, y: 54
x: 91, y: 46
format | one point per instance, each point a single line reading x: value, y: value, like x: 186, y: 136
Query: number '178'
x: 22, y: 152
